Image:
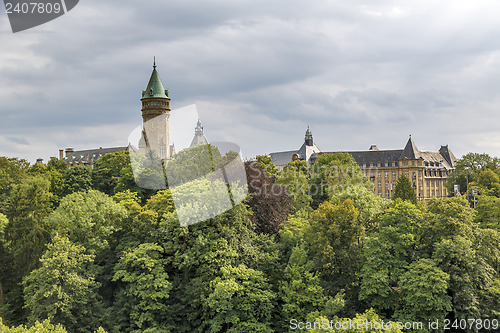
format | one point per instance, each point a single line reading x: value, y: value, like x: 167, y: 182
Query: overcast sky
x: 259, y: 72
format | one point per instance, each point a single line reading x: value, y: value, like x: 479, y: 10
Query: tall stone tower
x: 155, y: 118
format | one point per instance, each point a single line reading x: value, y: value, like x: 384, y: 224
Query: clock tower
x: 155, y: 118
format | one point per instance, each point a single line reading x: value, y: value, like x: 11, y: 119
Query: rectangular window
x: 379, y: 174
x: 386, y: 174
x: 379, y: 165
x: 380, y: 194
x: 394, y: 174
x: 413, y: 163
x: 387, y: 194
x: 386, y: 164
x: 379, y: 183
x: 387, y: 183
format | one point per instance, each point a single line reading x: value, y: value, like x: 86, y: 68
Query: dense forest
x: 311, y: 248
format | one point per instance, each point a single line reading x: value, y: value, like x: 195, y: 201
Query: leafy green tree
x: 332, y: 173
x: 12, y: 171
x: 469, y: 274
x: 240, y: 301
x: 107, y: 171
x: 64, y: 288
x: 88, y: 218
x: 146, y: 288
x: 424, y: 294
x: 404, y: 190
x: 26, y: 235
x: 39, y: 327
x: 295, y: 177
x: 300, y: 289
x: 370, y: 207
x: 130, y: 200
x: 77, y: 179
x: 488, y: 212
x: 468, y: 168
x: 161, y: 203
x: 55, y: 164
x: 335, y: 239
x: 369, y: 323
x: 265, y: 162
x: 488, y: 183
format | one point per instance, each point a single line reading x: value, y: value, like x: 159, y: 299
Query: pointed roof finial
x: 154, y: 62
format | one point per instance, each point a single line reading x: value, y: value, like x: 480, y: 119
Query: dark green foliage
x: 77, y: 179
x: 125, y: 262
x: 107, y: 171
x: 404, y: 190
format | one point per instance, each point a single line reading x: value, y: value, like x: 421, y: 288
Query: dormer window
x: 151, y: 92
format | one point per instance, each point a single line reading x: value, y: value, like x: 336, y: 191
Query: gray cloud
x: 357, y: 72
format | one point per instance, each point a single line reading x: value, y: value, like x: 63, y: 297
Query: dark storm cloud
x: 357, y: 72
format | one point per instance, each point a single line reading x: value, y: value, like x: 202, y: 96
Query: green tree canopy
x: 404, y: 190
x: 64, y: 288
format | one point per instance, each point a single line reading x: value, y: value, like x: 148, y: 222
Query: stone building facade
x: 427, y: 170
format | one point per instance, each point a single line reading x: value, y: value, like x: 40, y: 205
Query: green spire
x: 155, y: 87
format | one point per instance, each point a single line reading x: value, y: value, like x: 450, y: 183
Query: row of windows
x: 380, y: 164
x: 430, y: 194
x: 154, y: 103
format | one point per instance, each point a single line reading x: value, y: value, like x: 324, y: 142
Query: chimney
x: 69, y: 151
x: 61, y: 154
x: 39, y: 161
x: 373, y: 147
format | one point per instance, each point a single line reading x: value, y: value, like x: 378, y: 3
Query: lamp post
x: 467, y: 178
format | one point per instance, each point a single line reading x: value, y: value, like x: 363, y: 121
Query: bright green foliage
x: 333, y: 173
x: 162, y: 202
x: 488, y: 212
x: 192, y: 163
x: 300, y: 289
x: 370, y: 207
x: 488, y: 183
x: 240, y: 301
x: 56, y: 164
x: 39, y: 327
x: 424, y: 292
x: 12, y: 171
x: 295, y: 177
x: 88, y: 218
x: 63, y: 288
x: 265, y: 162
x: 107, y: 170
x: 367, y: 324
x: 294, y: 229
x: 77, y: 179
x: 387, y: 255
x: 404, y: 190
x: 448, y: 218
x: 3, y: 224
x: 468, y: 167
x: 142, y: 270
x: 130, y: 200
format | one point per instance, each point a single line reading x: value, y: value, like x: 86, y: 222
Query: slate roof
x: 91, y: 155
x: 442, y: 158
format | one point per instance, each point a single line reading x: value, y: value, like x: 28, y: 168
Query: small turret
x: 309, y: 137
